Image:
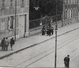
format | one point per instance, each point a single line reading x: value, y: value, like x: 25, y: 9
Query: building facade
x: 78, y: 10
x: 14, y: 18
x: 70, y: 11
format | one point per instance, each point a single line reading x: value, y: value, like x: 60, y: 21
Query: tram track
x: 51, y: 53
x: 71, y: 40
x: 48, y: 51
x: 37, y: 43
x: 2, y: 57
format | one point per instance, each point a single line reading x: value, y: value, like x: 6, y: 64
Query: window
x: 65, y: 14
x: 76, y: 1
x: 3, y: 3
x: 65, y: 1
x: 76, y: 12
x: 11, y: 22
x: 71, y: 13
x: 11, y: 3
x: 22, y: 5
x: 2, y: 24
x: 69, y: 1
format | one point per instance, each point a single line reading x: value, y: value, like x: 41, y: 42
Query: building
x: 45, y: 12
x: 68, y: 16
x: 17, y: 11
x: 70, y: 11
x: 78, y: 10
x: 14, y: 18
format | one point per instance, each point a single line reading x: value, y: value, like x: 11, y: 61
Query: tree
x: 47, y: 7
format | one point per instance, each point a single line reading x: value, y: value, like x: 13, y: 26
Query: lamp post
x: 56, y: 38
x: 15, y: 18
x: 36, y: 4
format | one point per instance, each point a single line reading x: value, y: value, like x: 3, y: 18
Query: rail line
x: 37, y: 43
x: 71, y: 40
x: 50, y: 53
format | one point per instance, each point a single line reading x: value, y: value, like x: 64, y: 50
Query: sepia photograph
x: 39, y: 33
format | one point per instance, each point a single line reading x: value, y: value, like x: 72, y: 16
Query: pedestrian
x: 49, y: 31
x: 6, y: 43
x: 12, y: 42
x: 43, y: 30
x: 52, y: 30
x: 66, y: 61
x: 3, y: 43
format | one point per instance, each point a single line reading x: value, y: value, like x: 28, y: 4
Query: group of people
x: 5, y: 43
x: 48, y: 30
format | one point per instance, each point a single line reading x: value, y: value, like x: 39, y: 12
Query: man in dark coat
x: 47, y: 30
x: 12, y: 42
x: 3, y: 43
x: 66, y: 61
x: 43, y: 30
x: 52, y: 30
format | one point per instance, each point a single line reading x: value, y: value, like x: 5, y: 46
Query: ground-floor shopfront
x: 8, y: 26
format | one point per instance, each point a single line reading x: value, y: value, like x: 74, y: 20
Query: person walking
x: 52, y: 30
x: 49, y: 31
x: 66, y: 61
x: 6, y: 43
x: 12, y: 42
x: 43, y: 30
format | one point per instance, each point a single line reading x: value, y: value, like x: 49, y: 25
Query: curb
x: 7, y: 55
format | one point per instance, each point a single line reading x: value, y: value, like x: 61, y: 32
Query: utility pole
x: 15, y: 18
x: 56, y: 38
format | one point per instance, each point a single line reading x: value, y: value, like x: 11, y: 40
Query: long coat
x: 66, y: 61
x: 12, y: 41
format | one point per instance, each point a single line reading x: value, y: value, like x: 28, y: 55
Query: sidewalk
x: 25, y: 43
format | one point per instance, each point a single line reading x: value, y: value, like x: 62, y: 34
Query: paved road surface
x: 42, y: 55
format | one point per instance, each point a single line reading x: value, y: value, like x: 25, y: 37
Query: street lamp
x: 36, y: 8
x: 56, y: 38
x: 36, y: 5
x: 15, y: 18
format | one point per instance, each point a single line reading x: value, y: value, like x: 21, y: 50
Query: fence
x: 44, y: 21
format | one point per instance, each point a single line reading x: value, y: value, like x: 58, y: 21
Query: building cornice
x: 10, y: 11
x: 71, y: 6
